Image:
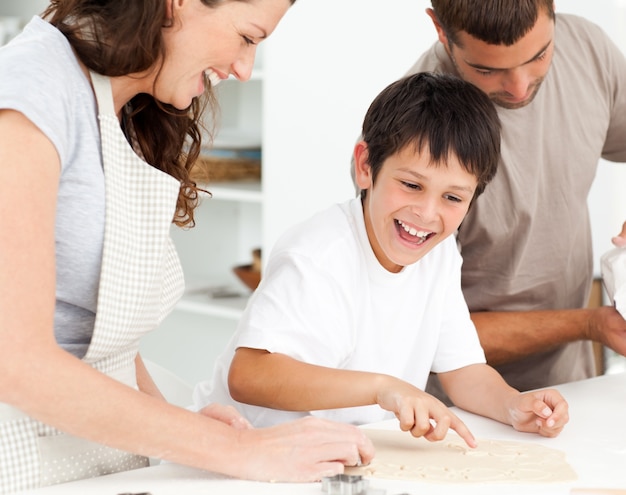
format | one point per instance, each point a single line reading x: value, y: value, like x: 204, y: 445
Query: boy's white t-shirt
x: 325, y: 299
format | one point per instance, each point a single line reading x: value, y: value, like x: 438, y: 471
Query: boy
x: 362, y: 301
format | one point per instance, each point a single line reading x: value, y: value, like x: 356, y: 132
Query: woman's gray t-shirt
x: 41, y: 78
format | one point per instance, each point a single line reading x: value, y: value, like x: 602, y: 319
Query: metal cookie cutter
x: 346, y: 484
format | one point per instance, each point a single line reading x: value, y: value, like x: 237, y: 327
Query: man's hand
x: 608, y: 327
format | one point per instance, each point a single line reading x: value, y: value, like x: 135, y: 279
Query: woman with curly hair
x: 100, y: 102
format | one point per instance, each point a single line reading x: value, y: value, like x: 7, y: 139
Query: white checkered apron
x: 140, y: 281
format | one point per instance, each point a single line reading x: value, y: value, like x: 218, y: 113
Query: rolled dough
x: 402, y: 456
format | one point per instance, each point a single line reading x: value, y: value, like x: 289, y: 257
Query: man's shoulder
x: 576, y: 28
x: 580, y: 42
x: 435, y: 59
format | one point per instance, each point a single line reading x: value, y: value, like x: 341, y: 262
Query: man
x: 559, y: 85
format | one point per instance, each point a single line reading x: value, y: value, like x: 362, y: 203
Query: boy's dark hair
x: 497, y: 22
x: 447, y: 115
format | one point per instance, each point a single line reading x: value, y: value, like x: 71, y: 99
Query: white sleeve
x: 302, y: 310
x: 458, y: 345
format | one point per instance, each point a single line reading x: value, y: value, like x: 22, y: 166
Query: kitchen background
x: 301, y: 112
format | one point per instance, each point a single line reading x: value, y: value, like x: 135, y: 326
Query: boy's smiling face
x: 413, y: 204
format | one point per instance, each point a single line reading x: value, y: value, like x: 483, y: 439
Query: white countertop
x: 594, y: 441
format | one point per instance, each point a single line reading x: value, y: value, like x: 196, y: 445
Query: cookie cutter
x: 348, y: 484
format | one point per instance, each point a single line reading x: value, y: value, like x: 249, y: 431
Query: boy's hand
x: 543, y: 411
x: 421, y: 413
x: 226, y: 414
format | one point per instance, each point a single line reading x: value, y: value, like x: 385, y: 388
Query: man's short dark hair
x: 497, y: 22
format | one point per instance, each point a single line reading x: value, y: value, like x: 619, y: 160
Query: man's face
x: 510, y: 75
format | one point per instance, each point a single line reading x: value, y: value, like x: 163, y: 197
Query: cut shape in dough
x: 401, y: 456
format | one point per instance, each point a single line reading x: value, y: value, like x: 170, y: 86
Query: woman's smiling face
x: 221, y: 41
x: 413, y: 204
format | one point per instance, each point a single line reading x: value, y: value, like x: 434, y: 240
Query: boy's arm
x: 277, y: 381
x: 480, y: 389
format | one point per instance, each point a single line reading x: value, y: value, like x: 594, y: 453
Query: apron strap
x: 104, y: 94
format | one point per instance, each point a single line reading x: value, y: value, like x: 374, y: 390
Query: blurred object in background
x: 250, y: 274
x: 9, y: 27
x: 14, y: 14
x: 24, y: 9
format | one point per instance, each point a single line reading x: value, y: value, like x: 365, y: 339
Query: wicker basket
x: 209, y: 169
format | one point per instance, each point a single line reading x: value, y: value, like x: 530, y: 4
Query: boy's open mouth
x: 414, y: 235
